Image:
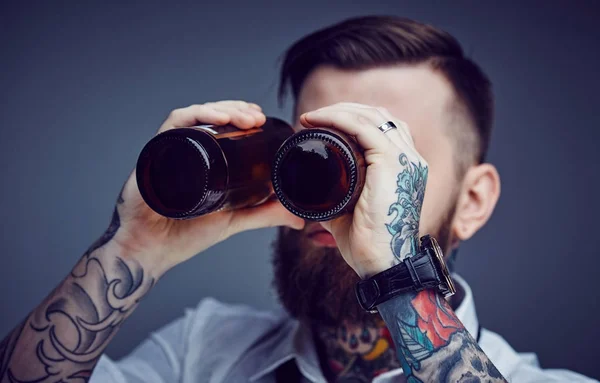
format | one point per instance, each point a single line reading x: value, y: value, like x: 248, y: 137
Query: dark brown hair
x: 374, y: 41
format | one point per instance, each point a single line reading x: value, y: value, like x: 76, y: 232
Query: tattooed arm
x: 432, y: 345
x: 62, y: 339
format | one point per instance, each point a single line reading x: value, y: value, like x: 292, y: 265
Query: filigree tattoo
x: 404, y: 226
x: 62, y: 340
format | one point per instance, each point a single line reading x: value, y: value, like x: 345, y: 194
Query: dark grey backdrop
x: 82, y: 87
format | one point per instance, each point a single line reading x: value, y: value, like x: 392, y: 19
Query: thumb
x: 268, y: 214
x: 337, y: 225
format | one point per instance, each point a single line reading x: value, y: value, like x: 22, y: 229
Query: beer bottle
x: 318, y: 174
x: 187, y: 172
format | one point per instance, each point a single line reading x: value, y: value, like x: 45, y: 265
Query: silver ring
x: 387, y: 126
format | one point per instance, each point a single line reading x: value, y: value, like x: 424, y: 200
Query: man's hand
x: 432, y: 345
x: 160, y: 243
x: 63, y: 338
x: 384, y: 227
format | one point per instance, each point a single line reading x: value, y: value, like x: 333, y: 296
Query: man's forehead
x: 414, y: 93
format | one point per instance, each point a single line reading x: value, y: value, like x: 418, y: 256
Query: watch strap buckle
x: 368, y: 292
x: 413, y: 274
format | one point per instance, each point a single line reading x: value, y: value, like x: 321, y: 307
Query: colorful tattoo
x: 358, y: 353
x: 404, y: 227
x: 431, y: 343
x: 62, y: 340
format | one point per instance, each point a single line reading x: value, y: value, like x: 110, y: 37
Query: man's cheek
x: 439, y: 193
x: 427, y: 220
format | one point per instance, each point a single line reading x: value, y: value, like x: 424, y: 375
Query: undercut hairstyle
x: 377, y: 41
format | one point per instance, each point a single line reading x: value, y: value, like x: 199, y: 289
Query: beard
x: 316, y: 285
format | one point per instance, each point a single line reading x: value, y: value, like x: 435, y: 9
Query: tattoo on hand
x: 404, y: 227
x: 62, y: 340
x: 432, y: 345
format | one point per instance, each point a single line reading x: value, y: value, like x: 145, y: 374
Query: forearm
x: 62, y: 339
x: 432, y: 344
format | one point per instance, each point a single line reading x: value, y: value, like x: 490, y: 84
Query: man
x: 423, y: 114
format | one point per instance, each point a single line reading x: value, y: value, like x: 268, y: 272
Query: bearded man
x: 422, y: 112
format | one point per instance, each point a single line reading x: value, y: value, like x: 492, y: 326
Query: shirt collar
x: 295, y: 340
x: 466, y: 309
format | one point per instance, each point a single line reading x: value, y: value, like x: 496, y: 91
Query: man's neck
x: 358, y: 351
x: 361, y: 351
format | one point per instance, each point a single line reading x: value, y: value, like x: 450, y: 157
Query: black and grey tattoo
x: 62, y: 340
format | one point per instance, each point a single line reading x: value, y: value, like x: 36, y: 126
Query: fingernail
x: 306, y: 123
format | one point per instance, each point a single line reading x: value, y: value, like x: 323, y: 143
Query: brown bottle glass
x: 187, y: 172
x: 318, y: 174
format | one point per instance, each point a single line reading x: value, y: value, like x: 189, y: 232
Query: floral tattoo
x: 404, y: 226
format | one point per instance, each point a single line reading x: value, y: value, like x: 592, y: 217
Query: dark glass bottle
x: 187, y: 172
x: 318, y: 174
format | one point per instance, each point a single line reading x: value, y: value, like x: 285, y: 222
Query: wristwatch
x: 426, y: 270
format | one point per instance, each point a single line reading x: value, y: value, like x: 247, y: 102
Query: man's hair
x: 377, y: 41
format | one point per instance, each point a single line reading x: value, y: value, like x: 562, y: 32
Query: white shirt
x: 215, y: 342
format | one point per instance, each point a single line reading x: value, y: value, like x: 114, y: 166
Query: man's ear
x: 477, y: 199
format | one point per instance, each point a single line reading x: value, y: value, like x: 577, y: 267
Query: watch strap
x: 413, y: 274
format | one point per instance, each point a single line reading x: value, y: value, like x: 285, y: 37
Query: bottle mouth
x: 314, y: 174
x: 172, y: 174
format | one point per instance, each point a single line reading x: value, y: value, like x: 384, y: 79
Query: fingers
x: 194, y: 114
x: 362, y: 122
x: 269, y: 214
x: 337, y: 225
x: 241, y: 114
x: 255, y: 106
x: 402, y: 128
x: 357, y: 122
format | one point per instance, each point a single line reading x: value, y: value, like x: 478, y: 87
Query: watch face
x: 439, y: 256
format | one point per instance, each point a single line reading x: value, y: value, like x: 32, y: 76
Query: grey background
x: 83, y: 87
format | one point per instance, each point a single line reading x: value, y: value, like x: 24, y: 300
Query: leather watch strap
x: 413, y: 274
